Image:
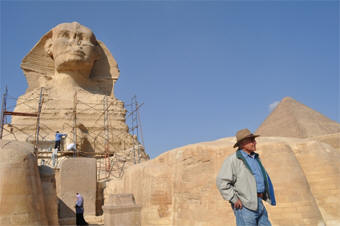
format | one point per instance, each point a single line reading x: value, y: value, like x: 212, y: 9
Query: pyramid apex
x: 291, y: 118
x: 287, y: 99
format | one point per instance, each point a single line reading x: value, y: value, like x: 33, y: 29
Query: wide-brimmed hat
x: 243, y: 134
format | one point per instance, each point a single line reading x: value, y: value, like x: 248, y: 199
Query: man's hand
x: 238, y: 204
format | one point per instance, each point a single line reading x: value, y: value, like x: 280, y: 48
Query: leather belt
x: 260, y: 195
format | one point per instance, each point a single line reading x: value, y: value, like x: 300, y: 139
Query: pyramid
x: 294, y: 119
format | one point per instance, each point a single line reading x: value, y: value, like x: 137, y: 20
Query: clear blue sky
x: 203, y: 69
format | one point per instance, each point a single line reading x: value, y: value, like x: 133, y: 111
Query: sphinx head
x: 71, y: 50
x: 73, y: 47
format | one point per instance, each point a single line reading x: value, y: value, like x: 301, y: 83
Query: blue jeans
x: 247, y: 217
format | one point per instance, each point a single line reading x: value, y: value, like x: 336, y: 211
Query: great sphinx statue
x: 76, y: 74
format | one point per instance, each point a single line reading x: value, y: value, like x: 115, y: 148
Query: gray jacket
x: 236, y: 181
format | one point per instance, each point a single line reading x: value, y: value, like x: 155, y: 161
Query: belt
x: 260, y: 195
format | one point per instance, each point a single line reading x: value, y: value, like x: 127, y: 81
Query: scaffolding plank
x: 20, y: 114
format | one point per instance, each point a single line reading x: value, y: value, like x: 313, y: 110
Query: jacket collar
x: 240, y: 156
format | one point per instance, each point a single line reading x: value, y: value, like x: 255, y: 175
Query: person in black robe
x: 80, y: 210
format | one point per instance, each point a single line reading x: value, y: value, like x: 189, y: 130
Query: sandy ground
x: 91, y: 220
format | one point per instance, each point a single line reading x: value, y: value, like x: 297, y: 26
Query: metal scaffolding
x: 3, y: 109
x: 106, y: 128
x: 4, y: 112
x: 37, y: 126
x: 135, y: 127
x: 107, y: 161
x: 74, y: 129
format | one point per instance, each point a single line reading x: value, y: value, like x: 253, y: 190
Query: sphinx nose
x: 76, y: 41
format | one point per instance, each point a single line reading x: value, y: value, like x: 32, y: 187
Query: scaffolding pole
x: 135, y: 126
x: 140, y: 127
x: 3, y: 109
x: 106, y: 129
x: 38, y: 123
x: 75, y: 123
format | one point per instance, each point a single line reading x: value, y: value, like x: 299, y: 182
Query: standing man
x: 58, y: 137
x: 80, y: 210
x: 244, y: 182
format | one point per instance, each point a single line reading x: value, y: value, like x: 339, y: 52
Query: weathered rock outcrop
x: 21, y: 196
x: 293, y: 119
x: 178, y: 187
x: 331, y: 139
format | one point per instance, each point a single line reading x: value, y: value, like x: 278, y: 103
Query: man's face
x: 248, y: 144
x: 73, y: 46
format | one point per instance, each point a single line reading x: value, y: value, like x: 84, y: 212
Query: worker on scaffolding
x: 58, y: 137
x: 72, y: 147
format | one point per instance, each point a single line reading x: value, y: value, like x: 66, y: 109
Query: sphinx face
x: 73, y: 47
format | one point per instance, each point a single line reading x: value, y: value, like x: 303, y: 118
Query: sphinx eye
x: 87, y: 44
x: 65, y: 34
x: 80, y: 37
x: 86, y: 41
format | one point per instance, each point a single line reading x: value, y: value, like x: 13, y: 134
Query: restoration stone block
x: 47, y: 177
x: 77, y: 175
x: 122, y: 210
